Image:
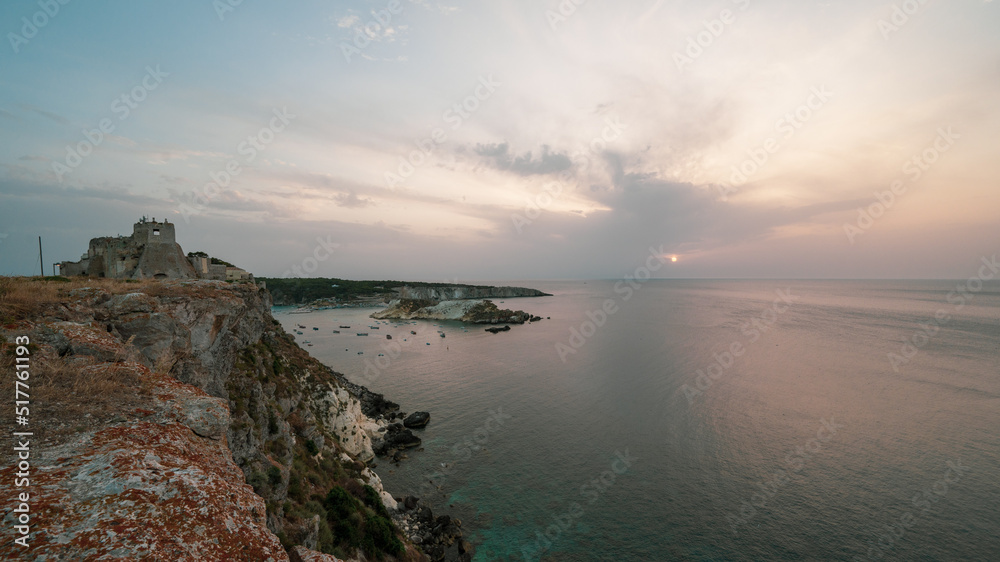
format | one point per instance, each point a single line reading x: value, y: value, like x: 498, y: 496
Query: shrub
x: 379, y: 536
x: 311, y: 447
x: 274, y: 476
x: 374, y: 501
x: 258, y: 481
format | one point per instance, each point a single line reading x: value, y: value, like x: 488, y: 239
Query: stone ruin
x: 151, y: 252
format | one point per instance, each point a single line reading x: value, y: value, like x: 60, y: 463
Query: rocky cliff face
x: 472, y: 311
x: 177, y: 420
x: 460, y: 292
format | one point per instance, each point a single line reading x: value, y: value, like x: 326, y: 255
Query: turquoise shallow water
x: 808, y: 443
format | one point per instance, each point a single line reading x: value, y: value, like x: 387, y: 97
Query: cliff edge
x: 177, y: 420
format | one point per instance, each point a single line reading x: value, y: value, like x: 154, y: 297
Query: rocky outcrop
x: 417, y: 420
x: 462, y: 292
x: 158, y: 483
x: 396, y: 438
x: 438, y: 536
x: 472, y: 311
x: 181, y: 422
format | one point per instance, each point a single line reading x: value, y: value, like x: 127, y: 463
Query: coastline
x: 203, y: 365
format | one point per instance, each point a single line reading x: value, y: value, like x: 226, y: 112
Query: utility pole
x: 41, y: 262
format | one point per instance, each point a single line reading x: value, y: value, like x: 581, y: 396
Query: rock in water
x: 416, y: 420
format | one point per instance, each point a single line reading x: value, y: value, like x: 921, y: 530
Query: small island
x: 472, y: 311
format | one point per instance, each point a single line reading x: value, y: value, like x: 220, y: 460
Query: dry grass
x: 21, y: 299
x: 67, y: 395
x: 27, y: 298
x: 67, y: 398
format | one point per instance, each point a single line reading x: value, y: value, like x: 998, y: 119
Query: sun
x: 674, y: 259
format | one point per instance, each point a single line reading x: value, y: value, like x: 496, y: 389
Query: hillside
x: 177, y: 420
x: 298, y: 291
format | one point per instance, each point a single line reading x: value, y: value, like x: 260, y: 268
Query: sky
x: 543, y: 139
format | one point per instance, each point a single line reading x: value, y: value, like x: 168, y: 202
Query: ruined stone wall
x: 160, y: 261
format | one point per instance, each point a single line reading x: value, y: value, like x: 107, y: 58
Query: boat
x: 305, y: 341
x: 348, y: 327
x: 373, y: 327
x: 388, y: 337
x: 441, y: 334
x: 301, y: 311
x: 300, y: 326
x: 412, y: 332
x: 361, y: 353
x: 362, y: 333
x: 336, y: 331
x: 428, y: 343
x: 315, y: 328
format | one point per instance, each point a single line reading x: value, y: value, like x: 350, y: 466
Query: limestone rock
x: 417, y: 420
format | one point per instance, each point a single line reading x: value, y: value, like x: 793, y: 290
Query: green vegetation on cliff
x: 297, y: 290
x: 173, y: 374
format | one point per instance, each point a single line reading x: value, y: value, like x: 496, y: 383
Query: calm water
x: 809, y: 445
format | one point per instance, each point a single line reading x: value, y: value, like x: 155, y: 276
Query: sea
x: 700, y: 419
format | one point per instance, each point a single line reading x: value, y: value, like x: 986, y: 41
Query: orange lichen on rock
x: 144, y: 489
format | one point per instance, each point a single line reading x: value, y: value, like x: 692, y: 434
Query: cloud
x: 548, y: 162
x: 47, y: 114
x: 351, y: 200
x: 348, y: 21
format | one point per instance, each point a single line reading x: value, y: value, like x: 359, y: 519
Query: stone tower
x: 151, y: 252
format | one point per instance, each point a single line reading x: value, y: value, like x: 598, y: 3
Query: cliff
x: 461, y: 292
x: 473, y: 311
x: 178, y: 421
x: 325, y: 291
